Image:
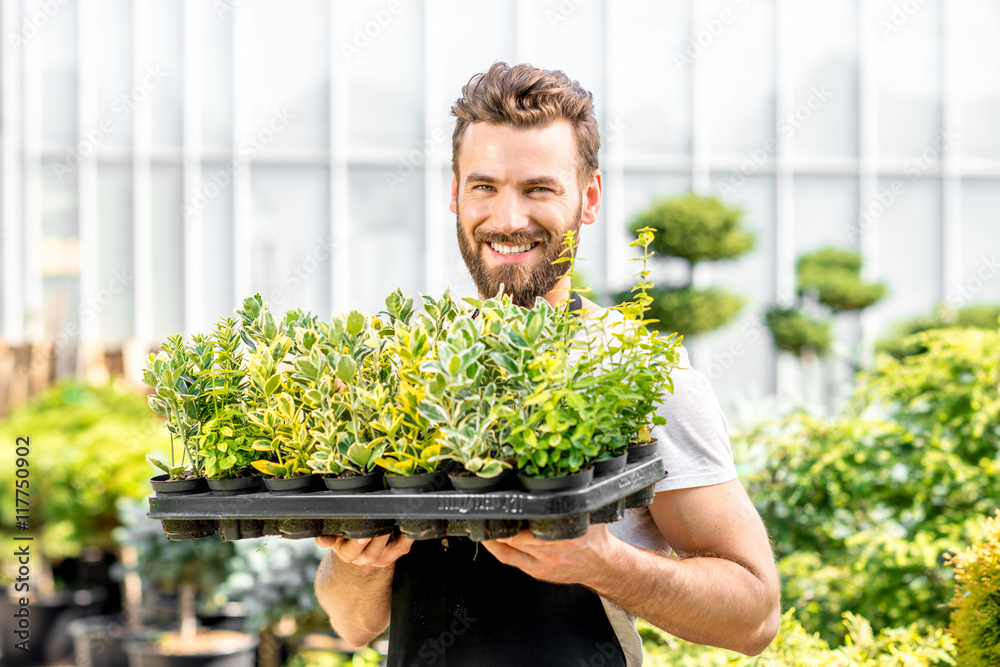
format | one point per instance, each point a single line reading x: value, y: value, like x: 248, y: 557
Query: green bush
x: 88, y: 447
x: 794, y: 646
x: 689, y: 311
x: 796, y: 332
x: 976, y: 316
x: 834, y: 275
x: 975, y: 618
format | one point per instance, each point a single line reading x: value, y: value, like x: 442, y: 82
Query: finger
x: 349, y: 550
x: 508, y: 555
x: 329, y: 541
x: 372, y: 551
x: 394, y: 551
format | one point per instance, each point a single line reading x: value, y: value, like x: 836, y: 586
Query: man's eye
x: 482, y: 187
x: 539, y: 188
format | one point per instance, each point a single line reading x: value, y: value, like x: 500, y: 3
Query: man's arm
x: 354, y: 584
x: 723, y: 591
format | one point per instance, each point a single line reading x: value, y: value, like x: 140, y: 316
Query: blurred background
x: 163, y: 159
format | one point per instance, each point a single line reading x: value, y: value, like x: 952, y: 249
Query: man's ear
x: 592, y: 200
x: 454, y: 195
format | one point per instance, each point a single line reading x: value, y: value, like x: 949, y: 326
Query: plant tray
x: 427, y: 515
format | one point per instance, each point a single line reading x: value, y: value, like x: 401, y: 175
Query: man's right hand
x: 380, y: 551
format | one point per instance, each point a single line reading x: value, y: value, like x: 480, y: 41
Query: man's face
x: 519, y: 193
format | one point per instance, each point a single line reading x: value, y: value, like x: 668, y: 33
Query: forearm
x: 356, y: 597
x: 702, y: 599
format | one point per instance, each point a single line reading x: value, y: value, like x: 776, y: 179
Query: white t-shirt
x: 694, y: 445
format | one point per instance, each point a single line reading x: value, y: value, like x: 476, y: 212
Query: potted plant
x: 192, y: 570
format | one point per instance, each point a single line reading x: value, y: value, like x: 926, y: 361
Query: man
x: 525, y: 170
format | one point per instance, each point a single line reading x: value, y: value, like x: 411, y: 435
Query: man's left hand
x: 581, y: 560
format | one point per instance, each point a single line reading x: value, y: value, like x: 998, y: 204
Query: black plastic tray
x: 553, y: 515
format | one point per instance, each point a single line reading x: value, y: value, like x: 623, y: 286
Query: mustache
x: 509, y: 239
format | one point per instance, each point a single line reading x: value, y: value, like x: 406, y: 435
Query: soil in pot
x: 189, y: 529
x: 373, y: 481
x: 162, y: 484
x: 577, y: 480
x: 291, y: 485
x: 491, y: 529
x: 241, y: 529
x: 561, y: 528
x: 424, y: 482
x: 209, y: 648
x: 610, y: 465
x: 641, y: 451
x: 234, y: 486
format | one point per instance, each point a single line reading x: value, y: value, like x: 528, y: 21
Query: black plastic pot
x: 489, y: 529
x: 610, y: 466
x: 640, y: 498
x: 46, y: 626
x: 189, y: 529
x: 610, y: 512
x: 577, y: 480
x: 235, y: 486
x: 288, y: 485
x: 147, y: 654
x: 373, y: 481
x: 640, y: 452
x: 241, y: 529
x: 163, y: 484
x: 424, y: 482
x: 561, y: 528
x: 99, y: 641
x: 357, y: 529
x: 470, y: 483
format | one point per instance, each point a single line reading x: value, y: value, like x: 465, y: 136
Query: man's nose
x: 509, y: 214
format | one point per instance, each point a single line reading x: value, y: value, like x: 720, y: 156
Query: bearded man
x: 696, y: 562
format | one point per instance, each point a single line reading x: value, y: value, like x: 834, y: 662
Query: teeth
x: 511, y: 250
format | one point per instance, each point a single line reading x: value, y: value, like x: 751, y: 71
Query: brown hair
x: 523, y: 96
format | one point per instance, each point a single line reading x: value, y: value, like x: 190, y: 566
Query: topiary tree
x: 975, y: 617
x: 826, y: 279
x: 694, y: 229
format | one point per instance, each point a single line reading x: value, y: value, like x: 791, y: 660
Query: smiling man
x: 697, y: 562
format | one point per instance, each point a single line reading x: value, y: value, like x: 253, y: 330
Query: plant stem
x: 186, y: 611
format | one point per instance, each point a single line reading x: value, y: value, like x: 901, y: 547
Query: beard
x: 524, y: 281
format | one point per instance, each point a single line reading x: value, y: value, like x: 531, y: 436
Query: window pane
x: 978, y: 54
x: 908, y: 67
x: 168, y: 252
x: 112, y: 61
x: 112, y: 305
x: 291, y: 244
x: 55, y: 46
x: 215, y: 227
x: 826, y: 212
x: 980, y: 275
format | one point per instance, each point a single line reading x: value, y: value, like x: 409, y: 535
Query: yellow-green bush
x: 795, y: 647
x: 975, y: 619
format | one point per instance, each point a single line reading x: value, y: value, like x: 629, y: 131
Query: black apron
x: 455, y: 605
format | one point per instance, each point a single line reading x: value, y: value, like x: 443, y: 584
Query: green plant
x: 796, y: 332
x: 975, y: 616
x: 977, y: 316
x: 694, y: 229
x: 87, y: 448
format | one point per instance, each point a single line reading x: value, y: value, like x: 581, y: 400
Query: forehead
x: 506, y: 152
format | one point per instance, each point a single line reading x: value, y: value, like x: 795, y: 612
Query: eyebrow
x: 547, y: 181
